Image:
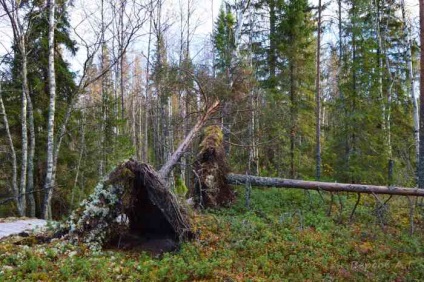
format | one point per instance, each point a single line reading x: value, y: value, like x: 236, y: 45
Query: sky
x: 203, y: 17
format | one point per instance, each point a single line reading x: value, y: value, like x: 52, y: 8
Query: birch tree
x: 48, y: 184
x: 411, y: 79
x: 14, y: 187
x: 19, y: 28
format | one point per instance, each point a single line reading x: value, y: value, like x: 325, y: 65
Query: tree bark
x: 410, y: 76
x: 147, y: 94
x: 12, y: 12
x: 48, y: 184
x: 421, y: 159
x: 30, y: 181
x: 24, y: 158
x: 15, y: 189
x: 318, y: 97
x: 240, y: 179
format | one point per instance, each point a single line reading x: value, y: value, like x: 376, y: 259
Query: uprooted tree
x: 213, y: 177
x: 140, y: 196
x: 211, y: 169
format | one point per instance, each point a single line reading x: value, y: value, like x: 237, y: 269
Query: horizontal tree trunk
x: 239, y: 179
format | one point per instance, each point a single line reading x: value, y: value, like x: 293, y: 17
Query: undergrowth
x: 284, y: 235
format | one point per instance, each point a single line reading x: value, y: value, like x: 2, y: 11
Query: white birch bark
x: 15, y: 188
x: 48, y: 184
x: 12, y: 12
x: 415, y: 112
x: 24, y: 158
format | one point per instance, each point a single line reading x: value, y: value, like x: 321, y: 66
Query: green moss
x: 180, y: 187
x: 213, y: 137
x: 287, y: 235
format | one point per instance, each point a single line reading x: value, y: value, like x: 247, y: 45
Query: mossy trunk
x: 211, y: 189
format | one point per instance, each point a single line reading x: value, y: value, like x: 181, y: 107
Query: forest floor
x: 285, y: 235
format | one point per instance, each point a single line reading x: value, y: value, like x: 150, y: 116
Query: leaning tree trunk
x: 176, y: 156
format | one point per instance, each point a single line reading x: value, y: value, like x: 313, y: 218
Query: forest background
x: 324, y: 90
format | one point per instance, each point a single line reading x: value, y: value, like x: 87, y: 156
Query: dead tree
x: 239, y: 179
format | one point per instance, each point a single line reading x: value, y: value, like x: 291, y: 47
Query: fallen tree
x: 239, y: 179
x: 135, y: 192
x: 140, y: 196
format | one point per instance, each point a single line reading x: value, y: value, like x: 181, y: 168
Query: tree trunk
x: 48, y: 185
x: 24, y: 158
x: 240, y: 179
x: 421, y: 159
x: 147, y: 94
x: 15, y: 188
x: 272, y: 43
x: 318, y: 97
x: 80, y: 159
x: 292, y: 121
x: 30, y: 182
x: 411, y: 78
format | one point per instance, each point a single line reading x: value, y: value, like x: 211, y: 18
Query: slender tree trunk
x: 272, y: 42
x: 15, y: 188
x: 24, y: 101
x: 121, y: 52
x: 386, y: 104
x: 30, y: 184
x: 147, y: 95
x: 421, y: 159
x: 411, y: 78
x: 48, y: 185
x: 80, y: 159
x: 318, y: 97
x: 102, y: 162
x: 293, y: 121
x: 340, y: 90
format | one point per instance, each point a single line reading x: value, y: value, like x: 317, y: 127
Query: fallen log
x: 239, y: 179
